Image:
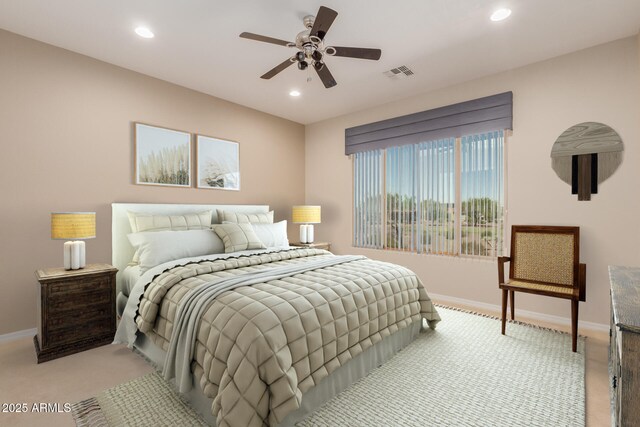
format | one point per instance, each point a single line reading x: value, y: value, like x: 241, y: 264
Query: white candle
x: 303, y: 233
x: 310, y: 233
x: 75, y: 255
x: 83, y: 252
x: 67, y: 255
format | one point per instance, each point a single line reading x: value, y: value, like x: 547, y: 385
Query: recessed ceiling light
x: 500, y: 14
x: 144, y: 32
x: 294, y: 93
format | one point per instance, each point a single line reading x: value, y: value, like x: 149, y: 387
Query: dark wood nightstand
x: 76, y: 310
x: 315, y: 245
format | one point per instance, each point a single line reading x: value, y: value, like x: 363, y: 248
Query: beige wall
x: 66, y: 145
x: 597, y: 84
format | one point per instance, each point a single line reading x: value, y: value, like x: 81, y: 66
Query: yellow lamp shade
x: 306, y: 215
x: 73, y: 225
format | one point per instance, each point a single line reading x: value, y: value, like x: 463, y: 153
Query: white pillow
x: 272, y: 234
x: 149, y: 222
x: 244, y: 217
x: 157, y: 247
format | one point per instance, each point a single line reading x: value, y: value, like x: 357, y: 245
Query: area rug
x: 465, y: 373
x: 145, y: 401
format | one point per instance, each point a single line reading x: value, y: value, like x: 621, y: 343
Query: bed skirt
x: 339, y: 380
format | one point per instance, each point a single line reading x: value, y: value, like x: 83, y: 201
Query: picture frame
x: 217, y: 163
x: 162, y: 156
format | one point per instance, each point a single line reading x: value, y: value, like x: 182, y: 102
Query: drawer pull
x: 614, y: 381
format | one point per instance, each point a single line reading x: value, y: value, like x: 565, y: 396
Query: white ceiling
x: 197, y: 45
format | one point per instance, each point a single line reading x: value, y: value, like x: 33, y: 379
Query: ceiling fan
x: 312, y: 49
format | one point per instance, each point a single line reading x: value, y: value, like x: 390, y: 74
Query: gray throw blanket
x: 183, y: 337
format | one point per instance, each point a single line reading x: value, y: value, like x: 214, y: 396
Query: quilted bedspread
x: 260, y: 347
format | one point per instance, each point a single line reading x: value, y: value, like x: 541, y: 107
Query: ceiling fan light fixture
x: 300, y: 56
x: 144, y: 32
x: 302, y: 65
x: 318, y: 65
x: 500, y: 14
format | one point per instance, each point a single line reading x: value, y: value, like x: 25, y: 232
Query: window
x: 443, y: 197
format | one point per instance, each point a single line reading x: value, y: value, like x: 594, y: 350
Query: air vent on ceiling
x: 399, y: 72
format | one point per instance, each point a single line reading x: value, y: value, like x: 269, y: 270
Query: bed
x: 262, y: 336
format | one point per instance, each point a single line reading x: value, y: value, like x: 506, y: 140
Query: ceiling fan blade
x: 358, y: 52
x: 326, y: 77
x: 265, y: 39
x: 275, y: 70
x: 324, y: 19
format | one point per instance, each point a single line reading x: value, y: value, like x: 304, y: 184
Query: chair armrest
x: 501, y: 261
x: 582, y: 282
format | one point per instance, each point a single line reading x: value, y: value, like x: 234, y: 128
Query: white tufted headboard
x: 121, y: 249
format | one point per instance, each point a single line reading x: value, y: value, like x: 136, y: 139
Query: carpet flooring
x: 465, y: 373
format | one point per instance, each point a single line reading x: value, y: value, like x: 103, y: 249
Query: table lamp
x: 73, y: 225
x: 306, y: 216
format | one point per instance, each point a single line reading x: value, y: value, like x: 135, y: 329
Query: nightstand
x: 76, y: 310
x: 316, y: 245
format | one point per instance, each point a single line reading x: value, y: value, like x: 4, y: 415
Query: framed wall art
x: 162, y: 156
x: 217, y: 163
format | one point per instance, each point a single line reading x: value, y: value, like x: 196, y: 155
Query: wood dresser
x: 76, y: 310
x: 624, y: 348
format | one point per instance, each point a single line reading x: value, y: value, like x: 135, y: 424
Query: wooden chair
x: 544, y: 261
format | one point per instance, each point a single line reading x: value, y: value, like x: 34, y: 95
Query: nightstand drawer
x: 73, y: 302
x: 90, y: 329
x: 80, y: 317
x: 65, y: 288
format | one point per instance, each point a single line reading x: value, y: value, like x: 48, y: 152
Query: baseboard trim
x: 558, y: 320
x: 12, y: 336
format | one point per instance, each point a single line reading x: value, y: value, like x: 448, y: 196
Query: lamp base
x: 306, y: 233
x: 74, y: 255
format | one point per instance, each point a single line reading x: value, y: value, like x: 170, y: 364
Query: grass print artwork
x: 218, y: 163
x: 163, y: 156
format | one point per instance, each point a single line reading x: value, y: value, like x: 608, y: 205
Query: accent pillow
x: 156, y: 247
x: 242, y: 218
x: 272, y: 234
x: 238, y: 237
x: 149, y: 222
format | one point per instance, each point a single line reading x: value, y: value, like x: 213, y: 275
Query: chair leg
x: 513, y: 304
x: 504, y: 310
x: 574, y: 325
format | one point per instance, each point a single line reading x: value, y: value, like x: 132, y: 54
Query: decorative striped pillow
x: 241, y: 218
x: 148, y: 222
x: 238, y: 237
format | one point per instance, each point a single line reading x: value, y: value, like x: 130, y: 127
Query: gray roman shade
x: 480, y: 115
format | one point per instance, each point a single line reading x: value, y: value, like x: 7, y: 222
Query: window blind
x: 482, y: 194
x: 420, y: 191
x: 368, y: 187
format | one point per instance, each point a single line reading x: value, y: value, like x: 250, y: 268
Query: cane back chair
x: 544, y: 261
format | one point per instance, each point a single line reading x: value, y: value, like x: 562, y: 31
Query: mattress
x: 128, y: 279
